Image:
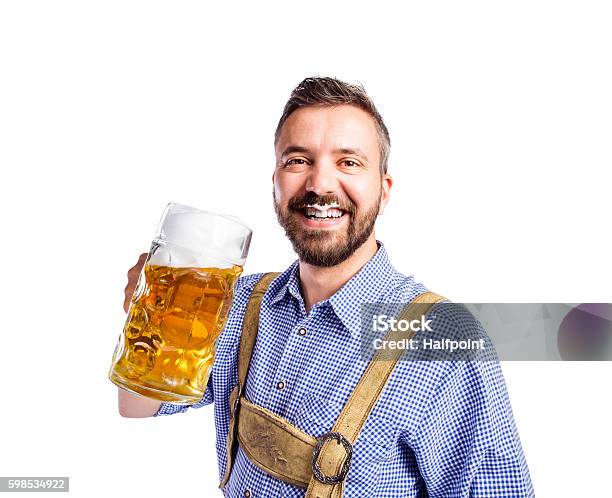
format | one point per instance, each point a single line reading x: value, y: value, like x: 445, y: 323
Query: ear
x: 387, y: 183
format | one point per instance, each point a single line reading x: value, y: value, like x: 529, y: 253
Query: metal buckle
x: 316, y: 469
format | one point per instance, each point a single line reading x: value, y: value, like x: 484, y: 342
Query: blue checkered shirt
x: 439, y: 429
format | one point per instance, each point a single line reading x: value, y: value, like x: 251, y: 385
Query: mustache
x: 299, y: 203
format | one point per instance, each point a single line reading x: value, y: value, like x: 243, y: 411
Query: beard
x: 325, y: 247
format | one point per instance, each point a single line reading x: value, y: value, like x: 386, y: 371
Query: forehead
x: 317, y: 127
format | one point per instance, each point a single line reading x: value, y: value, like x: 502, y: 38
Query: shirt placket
x: 283, y: 384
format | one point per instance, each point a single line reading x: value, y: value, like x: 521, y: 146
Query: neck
x: 319, y: 283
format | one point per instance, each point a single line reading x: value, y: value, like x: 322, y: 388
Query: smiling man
x: 330, y: 183
x: 299, y: 409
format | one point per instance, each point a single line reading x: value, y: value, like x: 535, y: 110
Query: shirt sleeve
x: 467, y: 445
x: 172, y: 408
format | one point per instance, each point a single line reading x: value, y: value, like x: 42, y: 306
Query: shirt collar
x: 366, y: 286
x: 286, y: 283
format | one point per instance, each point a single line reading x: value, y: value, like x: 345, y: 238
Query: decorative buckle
x: 316, y: 469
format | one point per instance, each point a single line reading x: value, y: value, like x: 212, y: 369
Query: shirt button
x: 280, y: 385
x: 302, y: 331
x: 247, y: 493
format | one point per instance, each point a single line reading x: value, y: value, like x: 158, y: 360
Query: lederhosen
x: 287, y: 453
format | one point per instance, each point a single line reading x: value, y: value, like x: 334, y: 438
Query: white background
x: 500, y: 125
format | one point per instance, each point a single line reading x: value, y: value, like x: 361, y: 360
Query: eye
x: 350, y: 163
x: 295, y: 160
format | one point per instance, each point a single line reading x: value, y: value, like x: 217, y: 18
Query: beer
x: 180, y: 304
x: 167, y: 346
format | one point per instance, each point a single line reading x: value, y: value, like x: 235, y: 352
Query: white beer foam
x: 193, y: 238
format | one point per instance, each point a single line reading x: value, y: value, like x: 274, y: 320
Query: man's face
x: 328, y: 188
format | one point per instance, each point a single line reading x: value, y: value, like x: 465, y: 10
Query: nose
x: 322, y: 179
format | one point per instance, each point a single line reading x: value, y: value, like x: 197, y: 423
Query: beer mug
x: 180, y: 305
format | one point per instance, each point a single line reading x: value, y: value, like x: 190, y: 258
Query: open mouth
x: 322, y: 213
x: 328, y: 214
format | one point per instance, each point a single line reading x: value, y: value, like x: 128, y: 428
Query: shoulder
x: 244, y: 287
x: 402, y: 288
x: 247, y: 282
x: 241, y: 293
x: 456, y: 322
x: 458, y: 340
x: 452, y: 355
x: 452, y: 319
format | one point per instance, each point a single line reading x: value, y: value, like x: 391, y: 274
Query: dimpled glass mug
x: 180, y: 305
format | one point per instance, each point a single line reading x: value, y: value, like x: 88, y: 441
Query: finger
x: 138, y: 266
x: 141, y: 260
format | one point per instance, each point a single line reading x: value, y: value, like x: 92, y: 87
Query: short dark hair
x: 325, y: 91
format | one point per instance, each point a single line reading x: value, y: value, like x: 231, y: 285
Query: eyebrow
x: 354, y: 151
x: 344, y: 150
x: 294, y: 148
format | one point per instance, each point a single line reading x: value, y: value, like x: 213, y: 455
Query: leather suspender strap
x: 331, y: 461
x: 250, y: 324
x: 283, y: 450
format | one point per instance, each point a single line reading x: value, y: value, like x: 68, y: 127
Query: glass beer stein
x: 180, y: 305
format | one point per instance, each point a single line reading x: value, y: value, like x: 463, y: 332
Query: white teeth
x: 329, y: 213
x: 325, y: 207
x: 326, y: 211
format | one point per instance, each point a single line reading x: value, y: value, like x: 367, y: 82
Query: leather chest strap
x: 333, y: 459
x: 288, y: 453
x: 250, y: 324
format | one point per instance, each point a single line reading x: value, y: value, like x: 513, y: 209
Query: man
x: 437, y: 429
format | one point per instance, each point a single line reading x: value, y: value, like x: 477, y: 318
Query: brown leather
x: 275, y: 445
x: 282, y: 450
x: 250, y: 323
